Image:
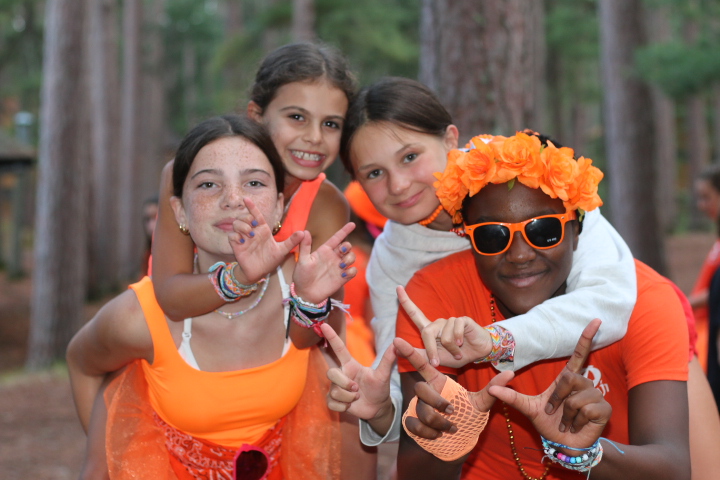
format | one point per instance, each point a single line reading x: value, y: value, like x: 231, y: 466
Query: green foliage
x: 380, y: 37
x: 191, y: 35
x: 680, y: 69
x: 21, y: 37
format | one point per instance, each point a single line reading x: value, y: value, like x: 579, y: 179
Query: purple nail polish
x: 254, y: 223
x: 344, y: 275
x: 343, y: 249
x: 242, y: 240
x: 342, y: 265
x: 252, y: 234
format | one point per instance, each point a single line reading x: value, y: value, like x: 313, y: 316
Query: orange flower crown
x: 522, y: 157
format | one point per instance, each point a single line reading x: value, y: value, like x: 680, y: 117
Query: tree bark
x: 130, y: 237
x: 698, y: 143
x: 666, y: 152
x: 303, y: 21
x: 486, y: 62
x: 103, y: 82
x: 60, y: 251
x: 629, y: 133
x: 153, y: 115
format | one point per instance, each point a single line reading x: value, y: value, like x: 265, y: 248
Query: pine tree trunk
x: 303, y: 21
x: 60, y: 251
x: 666, y: 152
x: 130, y: 232
x: 486, y: 62
x: 629, y: 133
x: 103, y: 82
x: 153, y: 115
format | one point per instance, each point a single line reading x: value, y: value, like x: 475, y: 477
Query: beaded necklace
x: 432, y: 217
x: 231, y: 315
x: 516, y: 457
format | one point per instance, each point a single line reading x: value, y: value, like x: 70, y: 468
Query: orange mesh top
x: 299, y: 209
x: 228, y: 408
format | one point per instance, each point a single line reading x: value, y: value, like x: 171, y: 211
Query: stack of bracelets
x: 311, y: 315
x: 226, y: 285
x: 582, y: 463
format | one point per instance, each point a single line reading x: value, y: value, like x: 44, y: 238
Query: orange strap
x: 299, y: 210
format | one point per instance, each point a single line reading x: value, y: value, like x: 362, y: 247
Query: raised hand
x: 323, y: 272
x: 452, y: 342
x: 584, y: 413
x: 255, y: 249
x: 434, y: 413
x: 358, y: 389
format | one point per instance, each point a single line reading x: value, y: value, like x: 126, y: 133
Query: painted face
x: 395, y: 166
x: 305, y: 121
x: 522, y: 277
x: 222, y: 174
x: 708, y: 199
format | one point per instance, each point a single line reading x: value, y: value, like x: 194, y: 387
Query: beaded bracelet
x: 222, y: 276
x: 503, y: 345
x: 581, y: 463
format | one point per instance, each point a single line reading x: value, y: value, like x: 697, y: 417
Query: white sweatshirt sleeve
x: 602, y: 284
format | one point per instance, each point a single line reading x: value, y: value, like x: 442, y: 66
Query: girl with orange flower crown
x: 396, y: 138
x: 522, y: 202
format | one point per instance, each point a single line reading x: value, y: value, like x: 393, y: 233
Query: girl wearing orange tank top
x: 301, y: 94
x: 233, y: 393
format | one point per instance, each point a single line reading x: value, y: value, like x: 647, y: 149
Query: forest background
x: 101, y: 91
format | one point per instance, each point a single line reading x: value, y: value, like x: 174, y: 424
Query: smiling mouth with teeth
x: 311, y: 157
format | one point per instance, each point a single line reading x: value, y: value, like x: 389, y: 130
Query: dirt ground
x: 40, y: 437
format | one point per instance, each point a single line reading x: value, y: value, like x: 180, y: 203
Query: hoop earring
x: 184, y: 230
x: 277, y: 228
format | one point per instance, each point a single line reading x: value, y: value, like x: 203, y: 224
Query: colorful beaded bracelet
x: 581, y: 463
x: 503, y: 345
x: 222, y: 276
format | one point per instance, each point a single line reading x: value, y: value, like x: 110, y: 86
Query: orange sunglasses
x: 494, y: 238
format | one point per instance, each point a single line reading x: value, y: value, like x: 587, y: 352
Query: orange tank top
x: 228, y: 408
x: 299, y: 209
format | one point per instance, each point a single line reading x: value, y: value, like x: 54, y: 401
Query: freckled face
x: 395, y: 167
x: 523, y: 276
x: 223, y: 173
x: 708, y: 199
x: 305, y: 121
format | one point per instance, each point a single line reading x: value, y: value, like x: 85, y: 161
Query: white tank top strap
x: 285, y: 289
x: 185, y: 350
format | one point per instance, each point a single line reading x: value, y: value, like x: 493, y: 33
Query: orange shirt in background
x: 711, y: 264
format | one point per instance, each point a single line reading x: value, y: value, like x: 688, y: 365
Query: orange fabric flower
x: 584, y: 191
x: 478, y: 167
x: 450, y: 188
x: 560, y: 172
x: 519, y: 156
x: 497, y: 159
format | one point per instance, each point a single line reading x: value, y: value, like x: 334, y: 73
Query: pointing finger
x: 583, y: 347
x: 334, y: 241
x: 421, y: 364
x: 418, y: 318
x: 336, y: 343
